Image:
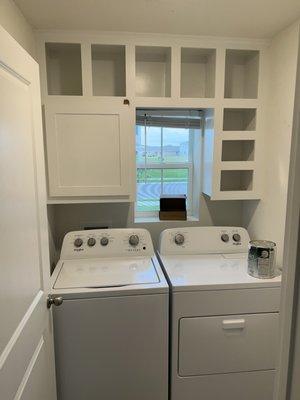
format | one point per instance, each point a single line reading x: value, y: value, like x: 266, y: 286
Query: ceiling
x: 242, y: 18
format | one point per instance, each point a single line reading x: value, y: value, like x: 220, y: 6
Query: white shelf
x: 238, y: 150
x: 239, y: 119
x: 108, y: 69
x: 63, y: 64
x: 153, y: 71
x: 198, y: 67
x: 236, y: 180
x: 241, y: 74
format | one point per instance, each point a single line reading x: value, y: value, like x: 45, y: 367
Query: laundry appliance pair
x: 185, y: 323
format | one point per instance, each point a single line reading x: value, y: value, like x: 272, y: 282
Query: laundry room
x: 150, y: 200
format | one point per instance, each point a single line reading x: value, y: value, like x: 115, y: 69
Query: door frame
x: 291, y: 256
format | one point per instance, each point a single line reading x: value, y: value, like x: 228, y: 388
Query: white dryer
x: 224, y: 323
x: 111, y: 330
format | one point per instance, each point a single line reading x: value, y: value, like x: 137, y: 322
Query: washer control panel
x: 99, y: 243
x: 204, y: 240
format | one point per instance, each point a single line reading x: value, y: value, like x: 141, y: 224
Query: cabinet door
x: 88, y: 149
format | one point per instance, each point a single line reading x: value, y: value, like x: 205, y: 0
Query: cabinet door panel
x: 88, y: 151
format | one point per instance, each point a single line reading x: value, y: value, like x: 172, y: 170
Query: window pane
x: 148, y: 189
x: 176, y: 145
x: 175, y: 181
x: 153, y: 139
x: 140, y: 149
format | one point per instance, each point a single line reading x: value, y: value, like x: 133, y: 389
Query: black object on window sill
x: 173, y: 207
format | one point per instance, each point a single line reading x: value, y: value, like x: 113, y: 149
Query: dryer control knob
x: 78, y: 242
x: 91, y: 242
x: 104, y: 241
x: 179, y: 239
x: 134, y: 240
x: 236, y: 237
x: 225, y: 237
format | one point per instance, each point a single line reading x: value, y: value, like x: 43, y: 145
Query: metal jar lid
x: 263, y: 244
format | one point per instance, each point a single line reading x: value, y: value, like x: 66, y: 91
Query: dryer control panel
x: 99, y: 243
x: 204, y: 240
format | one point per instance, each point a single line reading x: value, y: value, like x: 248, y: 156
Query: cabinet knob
x: 126, y: 102
x: 57, y: 301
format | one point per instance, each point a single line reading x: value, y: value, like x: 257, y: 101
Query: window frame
x: 189, y: 165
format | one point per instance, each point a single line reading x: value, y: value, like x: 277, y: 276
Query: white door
x: 26, y: 340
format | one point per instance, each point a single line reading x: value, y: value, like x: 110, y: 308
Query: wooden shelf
x: 108, y: 69
x: 63, y: 64
x: 198, y: 67
x: 153, y: 71
x: 241, y: 74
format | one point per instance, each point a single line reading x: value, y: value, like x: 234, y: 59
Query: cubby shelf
x: 238, y: 150
x: 63, y: 69
x: 108, y: 70
x: 239, y: 119
x: 198, y: 68
x: 152, y: 71
x: 241, y: 74
x: 236, y: 180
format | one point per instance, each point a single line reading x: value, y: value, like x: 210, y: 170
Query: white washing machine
x: 111, y: 330
x: 224, y: 323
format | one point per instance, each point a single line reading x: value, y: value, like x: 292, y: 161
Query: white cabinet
x: 224, y: 78
x: 88, y: 148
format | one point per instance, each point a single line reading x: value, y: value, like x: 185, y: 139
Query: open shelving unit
x: 198, y: 69
x: 164, y: 72
x: 152, y: 71
x: 108, y: 70
x: 63, y: 69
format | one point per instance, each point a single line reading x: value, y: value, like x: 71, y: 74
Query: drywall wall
x: 266, y: 219
x: 69, y: 217
x: 16, y: 25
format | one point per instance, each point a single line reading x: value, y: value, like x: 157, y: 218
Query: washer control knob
x: 91, y: 242
x: 225, y: 238
x: 104, y: 241
x: 78, y: 242
x: 236, y: 237
x: 179, y: 239
x: 134, y: 240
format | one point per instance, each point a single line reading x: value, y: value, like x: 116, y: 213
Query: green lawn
x: 169, y: 175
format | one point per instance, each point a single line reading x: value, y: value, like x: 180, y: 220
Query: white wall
x: 16, y: 25
x: 266, y: 219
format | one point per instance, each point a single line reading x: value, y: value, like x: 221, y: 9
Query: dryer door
x: 224, y: 344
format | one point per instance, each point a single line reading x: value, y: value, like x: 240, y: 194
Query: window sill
x: 155, y: 219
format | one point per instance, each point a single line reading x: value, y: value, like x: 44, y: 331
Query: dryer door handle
x: 234, y: 323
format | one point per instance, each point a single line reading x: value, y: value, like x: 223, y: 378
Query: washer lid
x: 105, y: 272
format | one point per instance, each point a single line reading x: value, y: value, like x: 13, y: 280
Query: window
x: 164, y: 156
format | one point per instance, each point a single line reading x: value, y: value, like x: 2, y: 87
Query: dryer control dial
x: 179, y: 238
x: 91, y: 242
x: 78, y: 242
x: 225, y: 238
x: 134, y: 240
x: 104, y: 241
x: 236, y: 237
